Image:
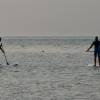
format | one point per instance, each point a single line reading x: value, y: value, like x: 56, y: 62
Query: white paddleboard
x: 91, y: 65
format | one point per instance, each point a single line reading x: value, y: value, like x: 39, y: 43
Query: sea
x: 48, y: 68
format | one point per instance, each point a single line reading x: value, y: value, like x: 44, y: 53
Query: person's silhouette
x: 2, y: 50
x: 96, y: 44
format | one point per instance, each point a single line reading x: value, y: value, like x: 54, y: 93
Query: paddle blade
x: 7, y: 63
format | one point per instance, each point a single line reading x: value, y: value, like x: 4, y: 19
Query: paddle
x: 6, y: 59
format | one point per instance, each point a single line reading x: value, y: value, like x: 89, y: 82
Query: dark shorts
x: 97, y: 52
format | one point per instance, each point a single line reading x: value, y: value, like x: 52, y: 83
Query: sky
x: 49, y: 17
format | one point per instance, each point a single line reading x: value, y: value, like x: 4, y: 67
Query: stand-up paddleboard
x: 94, y: 67
x: 90, y: 65
x: 14, y: 65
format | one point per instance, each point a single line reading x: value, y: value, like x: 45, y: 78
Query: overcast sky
x: 50, y: 17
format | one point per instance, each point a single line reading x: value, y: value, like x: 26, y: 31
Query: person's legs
x: 95, y: 60
x: 99, y: 58
x: 95, y: 56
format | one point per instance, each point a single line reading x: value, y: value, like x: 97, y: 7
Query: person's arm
x: 90, y: 47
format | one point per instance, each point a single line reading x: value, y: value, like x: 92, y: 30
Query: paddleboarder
x: 2, y: 50
x: 96, y: 44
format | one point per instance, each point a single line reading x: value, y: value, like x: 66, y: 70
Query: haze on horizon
x: 49, y: 17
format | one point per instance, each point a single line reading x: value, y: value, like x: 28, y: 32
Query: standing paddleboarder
x: 96, y: 44
x: 2, y: 50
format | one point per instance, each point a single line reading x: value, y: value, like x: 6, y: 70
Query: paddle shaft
x: 6, y: 59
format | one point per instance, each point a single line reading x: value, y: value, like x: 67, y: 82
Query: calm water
x: 46, y: 45
x: 48, y: 69
x: 68, y: 46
